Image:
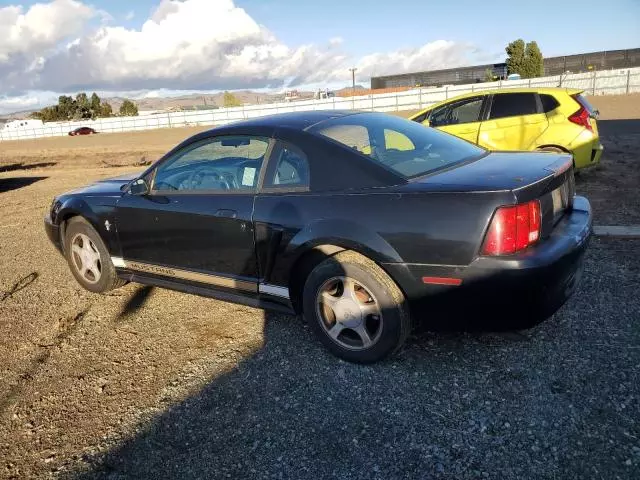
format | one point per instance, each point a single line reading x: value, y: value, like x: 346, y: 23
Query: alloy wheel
x: 349, y: 313
x: 86, y: 258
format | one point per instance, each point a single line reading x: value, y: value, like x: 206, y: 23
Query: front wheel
x: 88, y: 257
x: 355, y: 309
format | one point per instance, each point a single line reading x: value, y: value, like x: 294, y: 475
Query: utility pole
x: 353, y: 80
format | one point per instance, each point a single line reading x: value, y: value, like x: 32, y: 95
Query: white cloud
x: 23, y: 102
x: 129, y: 16
x: 434, y: 55
x: 184, y: 45
x: 41, y: 27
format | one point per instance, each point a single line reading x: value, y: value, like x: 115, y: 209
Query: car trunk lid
x: 544, y: 176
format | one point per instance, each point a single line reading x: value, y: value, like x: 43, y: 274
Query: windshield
x: 406, y: 147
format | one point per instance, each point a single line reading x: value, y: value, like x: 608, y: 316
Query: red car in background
x: 82, y: 131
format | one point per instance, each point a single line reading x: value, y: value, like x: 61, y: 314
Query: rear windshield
x: 408, y: 148
x: 585, y: 103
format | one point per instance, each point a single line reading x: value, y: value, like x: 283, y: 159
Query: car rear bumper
x: 588, y: 153
x: 53, y: 232
x: 502, y: 292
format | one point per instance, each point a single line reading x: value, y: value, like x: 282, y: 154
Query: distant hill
x: 7, y: 117
x: 196, y: 101
x: 201, y: 101
x: 350, y: 89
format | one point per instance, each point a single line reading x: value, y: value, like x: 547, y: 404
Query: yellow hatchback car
x: 546, y: 119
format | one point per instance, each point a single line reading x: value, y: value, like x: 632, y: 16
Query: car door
x: 514, y: 122
x: 460, y: 118
x: 195, y: 223
x: 276, y: 215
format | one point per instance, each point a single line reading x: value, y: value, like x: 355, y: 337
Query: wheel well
x: 303, y: 267
x: 558, y: 147
x: 63, y: 227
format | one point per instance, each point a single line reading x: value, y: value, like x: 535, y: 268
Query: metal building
x: 605, y: 60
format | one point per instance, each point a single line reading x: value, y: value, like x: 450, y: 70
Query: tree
x: 488, y: 75
x: 95, y: 106
x: 534, y: 63
x: 83, y: 107
x: 66, y: 108
x: 525, y: 60
x: 79, y: 108
x: 515, y: 56
x: 105, y: 110
x: 128, y: 109
x: 230, y: 100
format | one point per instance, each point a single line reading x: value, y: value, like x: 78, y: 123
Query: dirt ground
x: 149, y: 383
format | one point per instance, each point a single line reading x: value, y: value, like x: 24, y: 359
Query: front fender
x: 99, y: 212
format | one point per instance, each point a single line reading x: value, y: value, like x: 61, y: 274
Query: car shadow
x: 135, y: 302
x: 14, y: 183
x: 21, y: 166
x: 618, y: 127
x: 291, y: 410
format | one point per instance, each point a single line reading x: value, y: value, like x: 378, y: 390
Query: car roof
x: 295, y: 120
x: 547, y: 90
x: 325, y: 156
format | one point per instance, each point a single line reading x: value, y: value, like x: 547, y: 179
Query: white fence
x: 593, y: 83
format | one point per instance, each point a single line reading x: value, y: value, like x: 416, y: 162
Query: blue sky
x: 371, y: 26
x: 209, y: 45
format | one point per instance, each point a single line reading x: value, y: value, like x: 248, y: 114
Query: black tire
x: 394, y: 324
x: 108, y: 279
x: 552, y: 149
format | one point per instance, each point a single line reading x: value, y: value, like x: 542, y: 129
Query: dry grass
x: 105, y: 149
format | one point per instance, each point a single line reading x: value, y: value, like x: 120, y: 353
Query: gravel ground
x: 612, y: 187
x: 559, y: 401
x: 149, y: 383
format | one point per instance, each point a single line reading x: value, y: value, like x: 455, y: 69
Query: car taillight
x: 513, y: 228
x: 581, y: 116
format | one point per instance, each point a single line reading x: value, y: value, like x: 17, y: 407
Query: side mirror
x: 139, y: 187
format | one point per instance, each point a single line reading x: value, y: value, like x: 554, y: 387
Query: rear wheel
x: 88, y: 257
x: 355, y: 309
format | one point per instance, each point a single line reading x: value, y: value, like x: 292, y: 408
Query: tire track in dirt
x: 66, y: 328
x: 24, y: 282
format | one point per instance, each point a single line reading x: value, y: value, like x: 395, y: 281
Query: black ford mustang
x: 360, y: 221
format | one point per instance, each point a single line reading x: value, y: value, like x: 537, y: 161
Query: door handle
x: 226, y: 213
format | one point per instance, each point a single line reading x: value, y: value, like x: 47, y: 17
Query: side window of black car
x: 218, y: 164
x: 291, y: 168
x: 513, y: 105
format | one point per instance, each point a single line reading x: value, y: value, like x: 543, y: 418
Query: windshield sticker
x: 248, y: 176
